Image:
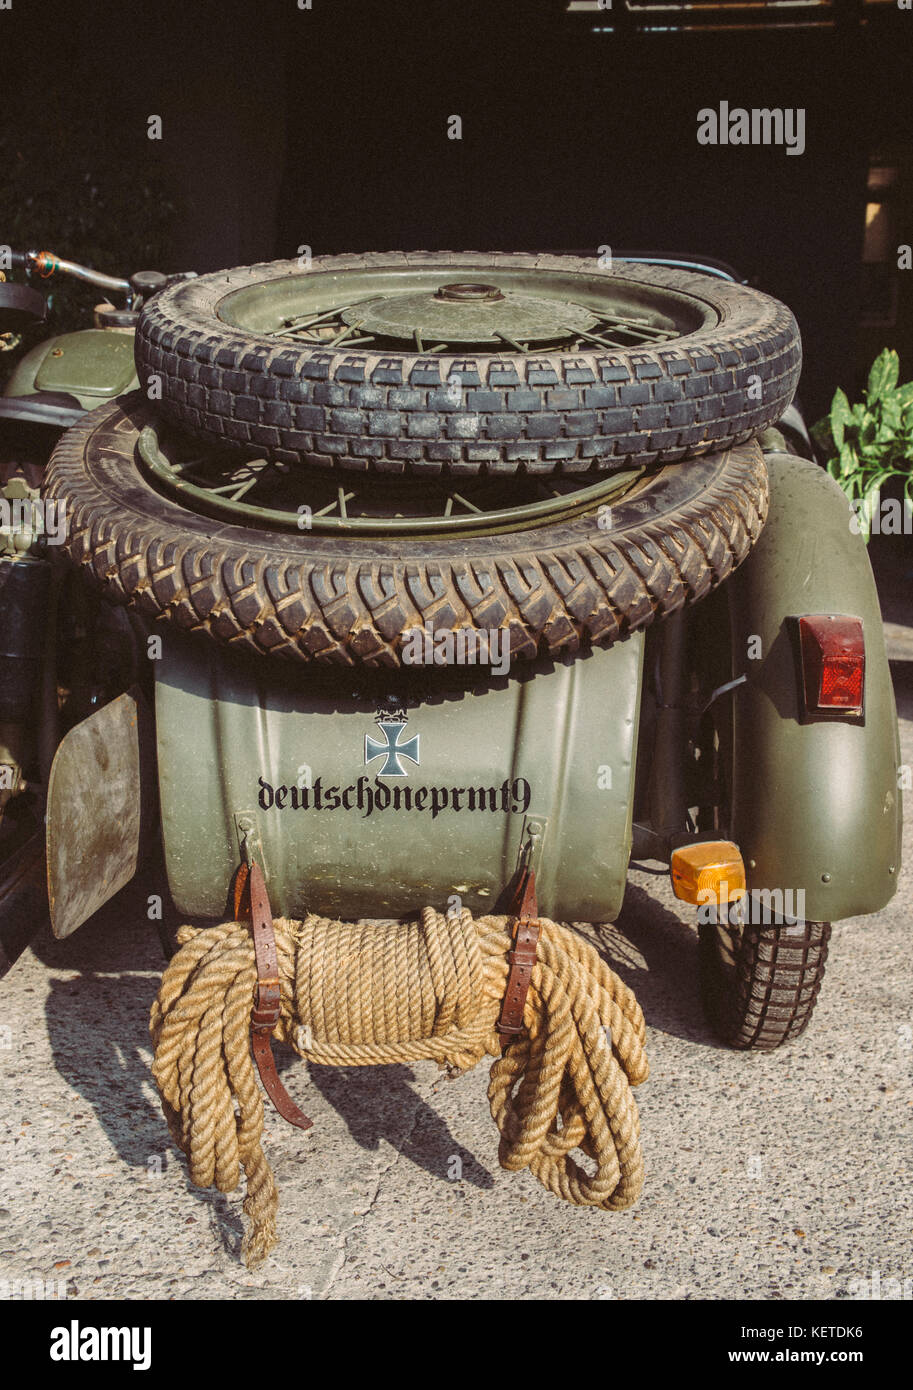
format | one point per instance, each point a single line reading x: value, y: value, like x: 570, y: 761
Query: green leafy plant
x: 867, y: 443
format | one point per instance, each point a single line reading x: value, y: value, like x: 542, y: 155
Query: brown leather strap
x: 521, y: 959
x: 252, y: 900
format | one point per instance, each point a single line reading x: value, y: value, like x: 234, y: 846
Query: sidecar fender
x: 815, y: 806
x: 62, y: 378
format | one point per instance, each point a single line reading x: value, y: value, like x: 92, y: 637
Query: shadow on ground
x: 374, y: 1112
x: 668, y: 990
x: 98, y: 1026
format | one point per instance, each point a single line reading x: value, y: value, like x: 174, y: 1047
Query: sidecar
x: 215, y: 666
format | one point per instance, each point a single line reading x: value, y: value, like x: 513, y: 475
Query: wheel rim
x: 457, y: 308
x: 273, y: 496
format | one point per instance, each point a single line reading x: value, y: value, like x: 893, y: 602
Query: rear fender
x: 815, y: 806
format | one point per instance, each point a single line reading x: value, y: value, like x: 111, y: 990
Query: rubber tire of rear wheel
x: 767, y: 997
x: 556, y: 588
x: 542, y: 412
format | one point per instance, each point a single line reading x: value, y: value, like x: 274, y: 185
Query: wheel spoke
x: 186, y: 466
x: 596, y: 338
x: 637, y: 328
x: 294, y: 327
x: 346, y: 332
x: 296, y: 323
x: 244, y: 488
x: 512, y: 342
x: 470, y: 507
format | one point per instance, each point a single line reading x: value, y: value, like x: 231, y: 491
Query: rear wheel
x: 759, y: 978
x: 760, y: 982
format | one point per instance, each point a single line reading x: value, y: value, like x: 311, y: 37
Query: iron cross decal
x: 392, y: 749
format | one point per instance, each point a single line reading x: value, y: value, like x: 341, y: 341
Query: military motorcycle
x: 406, y: 575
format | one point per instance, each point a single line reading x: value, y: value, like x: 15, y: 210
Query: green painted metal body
x: 554, y: 743
x: 815, y: 806
x: 280, y: 762
x: 89, y: 366
x: 244, y: 747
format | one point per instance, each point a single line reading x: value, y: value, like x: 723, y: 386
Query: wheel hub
x: 471, y: 313
x: 463, y: 290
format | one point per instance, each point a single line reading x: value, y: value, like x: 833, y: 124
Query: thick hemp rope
x: 371, y: 995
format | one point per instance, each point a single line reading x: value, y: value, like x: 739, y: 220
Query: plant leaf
x: 840, y: 415
x: 890, y: 416
x: 823, y: 435
x: 849, y: 463
x: 883, y: 376
x: 868, y: 431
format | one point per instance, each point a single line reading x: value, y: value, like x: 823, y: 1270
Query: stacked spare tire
x: 321, y: 459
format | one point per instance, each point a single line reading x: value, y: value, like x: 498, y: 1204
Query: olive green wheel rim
x: 457, y: 308
x: 219, y: 484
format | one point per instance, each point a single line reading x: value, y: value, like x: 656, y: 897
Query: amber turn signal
x: 711, y: 872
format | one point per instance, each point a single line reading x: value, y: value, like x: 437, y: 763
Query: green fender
x: 59, y: 379
x: 814, y: 806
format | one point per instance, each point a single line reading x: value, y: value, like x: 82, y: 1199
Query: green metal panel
x: 815, y: 806
x: 235, y: 737
x: 94, y: 365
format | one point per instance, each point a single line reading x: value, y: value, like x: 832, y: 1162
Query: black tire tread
x: 548, y: 412
x: 270, y: 593
x: 769, y: 998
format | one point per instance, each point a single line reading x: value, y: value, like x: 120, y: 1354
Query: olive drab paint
x: 409, y: 804
x: 815, y: 806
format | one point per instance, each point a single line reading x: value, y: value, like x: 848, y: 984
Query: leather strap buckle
x: 251, y: 902
x: 521, y: 958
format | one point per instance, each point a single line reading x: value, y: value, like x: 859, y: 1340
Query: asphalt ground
x: 786, y: 1175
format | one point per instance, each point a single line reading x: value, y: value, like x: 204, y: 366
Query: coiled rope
x: 371, y: 995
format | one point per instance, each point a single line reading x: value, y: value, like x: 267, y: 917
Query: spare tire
x: 550, y: 574
x: 443, y: 362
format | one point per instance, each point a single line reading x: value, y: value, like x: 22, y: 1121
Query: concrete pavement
x: 783, y: 1175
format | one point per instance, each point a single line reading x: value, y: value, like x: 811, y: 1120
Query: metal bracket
x: 721, y: 690
x: 532, y: 835
x: 250, y: 845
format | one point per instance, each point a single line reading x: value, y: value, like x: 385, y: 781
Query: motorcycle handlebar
x: 47, y: 264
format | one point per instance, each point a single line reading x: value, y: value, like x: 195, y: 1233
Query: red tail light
x: 833, y: 664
